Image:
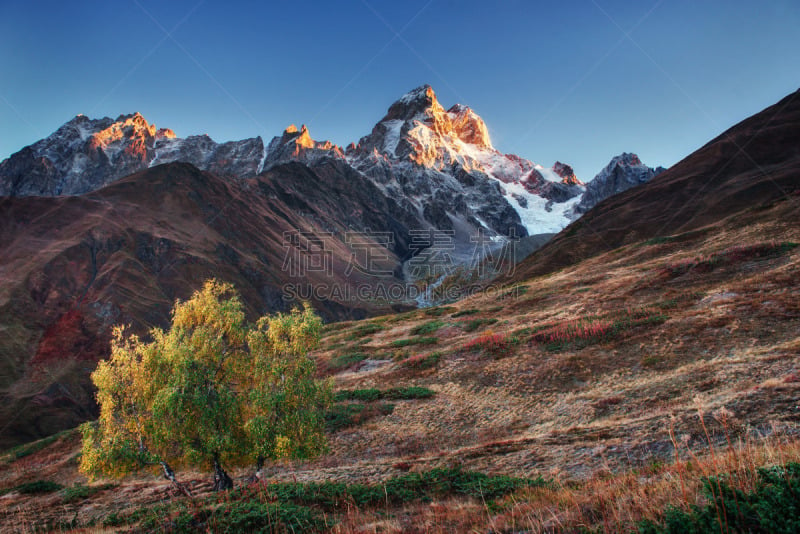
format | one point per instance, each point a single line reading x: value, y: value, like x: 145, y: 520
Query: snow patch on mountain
x: 548, y: 174
x: 393, y: 128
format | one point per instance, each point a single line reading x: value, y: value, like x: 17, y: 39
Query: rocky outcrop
x: 298, y: 146
x: 566, y: 173
x: 234, y: 159
x: 82, y: 155
x: 622, y: 173
x: 86, y: 154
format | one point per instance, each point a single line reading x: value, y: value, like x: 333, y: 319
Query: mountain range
x: 647, y: 348
x: 108, y: 221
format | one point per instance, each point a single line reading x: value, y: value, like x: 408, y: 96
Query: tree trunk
x: 222, y: 481
x: 255, y: 477
x: 169, y: 474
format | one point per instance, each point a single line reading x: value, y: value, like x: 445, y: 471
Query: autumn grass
x: 627, y: 501
x: 731, y: 255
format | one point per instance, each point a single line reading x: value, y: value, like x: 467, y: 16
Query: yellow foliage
x: 209, y: 386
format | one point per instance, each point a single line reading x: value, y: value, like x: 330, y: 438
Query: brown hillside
x: 74, y: 266
x: 751, y: 165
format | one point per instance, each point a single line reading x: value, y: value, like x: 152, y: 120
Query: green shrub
x: 373, y: 394
x: 364, y: 395
x: 438, y: 311
x: 474, y: 324
x: 408, y: 392
x: 363, y: 330
x: 266, y: 517
x: 463, y: 313
x: 341, y: 416
x: 343, y: 361
x: 26, y: 449
x: 38, y: 486
x: 436, y: 483
x: 422, y: 361
x: 426, y: 328
x: 79, y: 492
x: 414, y: 341
x: 773, y: 506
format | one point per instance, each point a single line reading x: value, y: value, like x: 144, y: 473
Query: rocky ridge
x: 438, y: 163
x: 622, y: 173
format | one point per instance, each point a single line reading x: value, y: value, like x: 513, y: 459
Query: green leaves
x: 210, y: 386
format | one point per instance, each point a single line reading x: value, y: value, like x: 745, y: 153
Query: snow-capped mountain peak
x: 418, y: 135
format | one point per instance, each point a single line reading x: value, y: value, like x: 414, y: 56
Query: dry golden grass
x: 601, y: 419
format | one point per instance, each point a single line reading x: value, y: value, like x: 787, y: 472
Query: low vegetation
x: 583, y: 331
x: 345, y: 415
x: 34, y: 487
x: 496, y: 345
x: 420, y: 340
x: 704, y: 264
x: 475, y: 324
x: 591, y: 380
x: 772, y: 505
x: 345, y: 360
x: 373, y: 394
x: 426, y: 328
x: 421, y: 362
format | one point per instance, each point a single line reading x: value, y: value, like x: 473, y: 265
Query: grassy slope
x: 713, y: 341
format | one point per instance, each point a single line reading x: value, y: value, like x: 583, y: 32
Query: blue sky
x: 577, y: 81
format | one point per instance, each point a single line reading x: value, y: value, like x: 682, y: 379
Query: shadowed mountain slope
x: 751, y: 165
x: 74, y: 266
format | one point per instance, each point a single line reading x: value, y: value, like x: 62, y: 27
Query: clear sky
x: 577, y: 81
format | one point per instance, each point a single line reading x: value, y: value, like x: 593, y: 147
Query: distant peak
x: 165, y: 133
x: 301, y: 137
x: 423, y: 92
x: 627, y: 158
x: 566, y: 173
x: 416, y: 104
